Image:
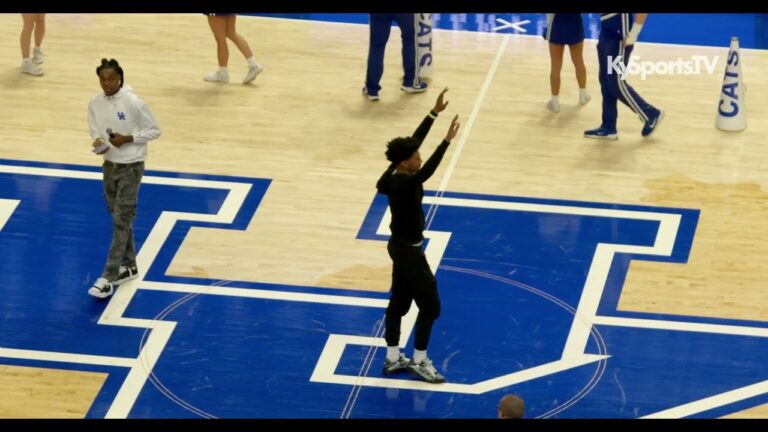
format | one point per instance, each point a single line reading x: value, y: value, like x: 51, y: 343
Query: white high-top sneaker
x: 253, y: 72
x: 37, y: 55
x: 28, y: 67
x: 553, y: 106
x: 584, y: 97
x: 219, y: 76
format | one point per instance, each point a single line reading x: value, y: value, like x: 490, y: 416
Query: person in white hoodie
x: 121, y: 125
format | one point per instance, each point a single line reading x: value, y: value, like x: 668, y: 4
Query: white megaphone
x: 732, y: 109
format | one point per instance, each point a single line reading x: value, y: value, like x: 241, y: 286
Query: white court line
x: 54, y: 356
x: 335, y: 344
x: 97, y: 175
x: 712, y: 402
x: 573, y: 352
x: 682, y: 326
x: 265, y: 294
x: 472, y: 116
x: 113, y: 313
x: 7, y: 207
x: 161, y: 330
x: 668, y: 225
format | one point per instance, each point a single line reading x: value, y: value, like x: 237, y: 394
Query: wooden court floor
x: 304, y: 124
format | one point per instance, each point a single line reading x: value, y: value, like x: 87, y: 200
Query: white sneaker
x: 37, y: 56
x: 218, y: 76
x: 426, y: 371
x: 370, y: 96
x: 401, y: 364
x: 553, y: 106
x: 584, y: 98
x: 28, y: 67
x: 253, y: 72
x: 102, y: 288
x: 421, y: 87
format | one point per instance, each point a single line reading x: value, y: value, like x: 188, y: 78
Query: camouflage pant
x: 121, y: 191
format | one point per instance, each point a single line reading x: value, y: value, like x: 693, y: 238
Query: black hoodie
x: 405, y: 191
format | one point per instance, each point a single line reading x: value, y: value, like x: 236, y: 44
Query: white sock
x: 26, y: 61
x: 252, y: 62
x: 223, y: 69
x: 583, y: 92
x: 393, y: 353
x: 556, y: 99
x: 419, y: 356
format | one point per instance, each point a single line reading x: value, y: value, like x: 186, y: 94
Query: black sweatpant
x: 412, y: 279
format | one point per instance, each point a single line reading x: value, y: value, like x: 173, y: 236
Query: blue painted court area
x: 520, y: 280
x: 709, y: 29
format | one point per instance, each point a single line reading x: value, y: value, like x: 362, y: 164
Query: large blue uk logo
x: 529, y: 289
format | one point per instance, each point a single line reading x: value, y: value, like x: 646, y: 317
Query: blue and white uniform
x: 564, y: 28
x: 614, y: 27
x: 380, y: 26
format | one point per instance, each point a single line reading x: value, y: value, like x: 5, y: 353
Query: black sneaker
x: 125, y: 274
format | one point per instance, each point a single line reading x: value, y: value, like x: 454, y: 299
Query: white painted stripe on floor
x: 53, y: 356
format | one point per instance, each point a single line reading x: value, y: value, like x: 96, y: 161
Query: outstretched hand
x: 453, y: 129
x: 439, y: 104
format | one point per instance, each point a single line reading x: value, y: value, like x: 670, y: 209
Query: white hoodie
x: 127, y: 114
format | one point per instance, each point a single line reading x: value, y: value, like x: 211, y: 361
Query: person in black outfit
x: 412, y: 279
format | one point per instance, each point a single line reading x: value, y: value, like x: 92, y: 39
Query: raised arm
x: 419, y: 135
x: 423, y: 129
x: 433, y: 162
x: 421, y: 132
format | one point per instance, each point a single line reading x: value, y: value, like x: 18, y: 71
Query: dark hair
x: 111, y: 64
x: 400, y: 149
x: 512, y: 406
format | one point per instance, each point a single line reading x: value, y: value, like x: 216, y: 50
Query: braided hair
x: 111, y: 64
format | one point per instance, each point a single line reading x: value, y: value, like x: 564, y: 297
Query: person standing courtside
x: 412, y: 279
x: 565, y: 29
x: 121, y: 125
x: 617, y: 39
x: 380, y: 26
x: 33, y: 23
x: 224, y: 26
